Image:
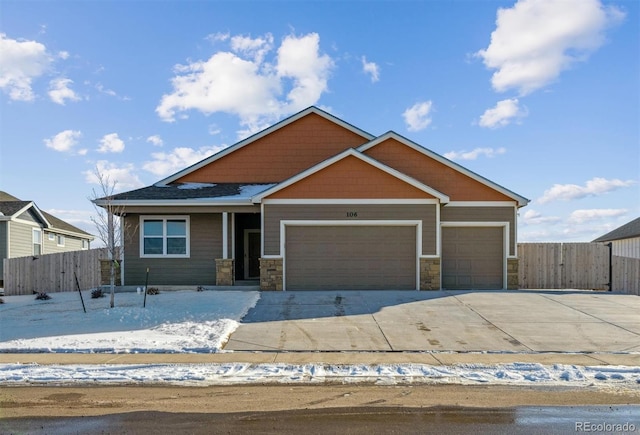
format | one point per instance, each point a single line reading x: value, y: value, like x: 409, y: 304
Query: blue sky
x: 542, y: 97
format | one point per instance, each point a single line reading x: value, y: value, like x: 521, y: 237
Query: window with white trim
x: 52, y: 237
x: 37, y: 241
x: 164, y: 236
x: 60, y: 240
x: 85, y: 244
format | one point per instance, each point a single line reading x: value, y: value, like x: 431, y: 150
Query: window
x: 37, y: 242
x: 60, y: 240
x: 52, y: 237
x: 85, y: 244
x: 164, y: 236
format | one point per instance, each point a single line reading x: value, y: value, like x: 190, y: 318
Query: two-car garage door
x: 379, y: 257
x: 350, y: 257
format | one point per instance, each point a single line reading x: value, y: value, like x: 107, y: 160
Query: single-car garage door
x: 472, y: 258
x: 363, y: 257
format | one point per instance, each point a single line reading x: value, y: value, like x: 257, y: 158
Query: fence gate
x: 563, y: 265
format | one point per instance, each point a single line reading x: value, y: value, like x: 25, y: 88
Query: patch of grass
x: 153, y: 291
x: 42, y: 296
x: 97, y: 293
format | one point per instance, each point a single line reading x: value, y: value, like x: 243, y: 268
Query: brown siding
x: 274, y: 213
x: 200, y: 269
x: 351, y: 178
x: 456, y: 185
x: 350, y: 258
x: 483, y: 214
x: 280, y: 154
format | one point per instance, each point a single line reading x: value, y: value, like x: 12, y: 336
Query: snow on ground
x: 619, y: 378
x: 201, y: 322
x: 177, y: 321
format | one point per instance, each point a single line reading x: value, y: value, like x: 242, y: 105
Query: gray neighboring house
x: 625, y: 240
x: 25, y: 230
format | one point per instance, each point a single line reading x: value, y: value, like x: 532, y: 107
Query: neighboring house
x: 25, y: 230
x: 625, y: 240
x: 316, y: 203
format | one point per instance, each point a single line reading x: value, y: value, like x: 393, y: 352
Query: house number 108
x: 352, y: 214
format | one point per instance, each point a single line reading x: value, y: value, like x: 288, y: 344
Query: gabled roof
x: 12, y: 207
x: 521, y: 200
x: 261, y: 134
x: 354, y: 153
x: 626, y: 231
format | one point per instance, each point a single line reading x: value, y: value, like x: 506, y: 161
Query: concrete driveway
x: 458, y: 321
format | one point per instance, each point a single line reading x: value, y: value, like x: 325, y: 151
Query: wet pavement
x: 352, y: 420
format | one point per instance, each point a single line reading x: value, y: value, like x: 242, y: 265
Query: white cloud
x: 65, y: 141
x: 255, y: 48
x: 217, y: 37
x: 59, y: 91
x: 20, y: 63
x: 164, y: 164
x: 156, y: 140
x: 372, y: 69
x: 417, y: 117
x: 110, y: 92
x: 595, y: 214
x: 111, y: 143
x: 299, y: 59
x: 123, y: 176
x: 534, y: 41
x: 64, y: 55
x: 474, y: 154
x: 241, y: 82
x: 533, y: 217
x: 501, y: 115
x: 594, y: 187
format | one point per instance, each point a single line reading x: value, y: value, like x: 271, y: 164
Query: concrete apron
x: 441, y: 321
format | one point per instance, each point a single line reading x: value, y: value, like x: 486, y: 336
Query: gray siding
x: 20, y: 239
x: 200, y: 269
x: 483, y: 214
x: 274, y: 213
x: 51, y: 246
x: 3, y: 245
x: 30, y: 216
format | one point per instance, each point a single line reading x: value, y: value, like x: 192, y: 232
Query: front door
x: 251, y: 254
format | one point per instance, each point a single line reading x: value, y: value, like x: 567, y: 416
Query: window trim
x: 51, y: 237
x: 60, y: 240
x: 164, y: 219
x: 35, y: 231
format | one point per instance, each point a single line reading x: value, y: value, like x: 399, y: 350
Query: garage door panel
x: 350, y: 257
x: 472, y: 258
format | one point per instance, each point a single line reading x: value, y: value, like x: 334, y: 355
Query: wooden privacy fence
x: 53, y: 272
x: 575, y: 266
x: 626, y: 275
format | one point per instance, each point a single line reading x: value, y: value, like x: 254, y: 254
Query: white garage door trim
x: 505, y: 239
x: 330, y: 223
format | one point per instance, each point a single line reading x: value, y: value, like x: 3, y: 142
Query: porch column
x: 225, y: 235
x: 224, y: 266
